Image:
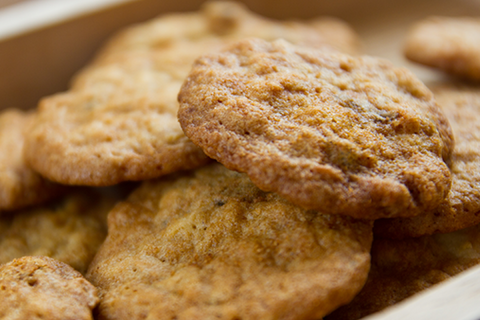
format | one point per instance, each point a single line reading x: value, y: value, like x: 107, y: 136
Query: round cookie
x: 461, y: 208
x: 120, y: 125
x: 20, y: 186
x: 119, y: 122
x: 210, y: 244
x: 69, y: 230
x: 328, y: 131
x: 43, y: 288
x: 451, y: 44
x: 401, y: 268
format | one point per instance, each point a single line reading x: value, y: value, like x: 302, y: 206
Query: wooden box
x: 43, y: 43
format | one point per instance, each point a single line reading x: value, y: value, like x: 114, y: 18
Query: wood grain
x: 457, y: 298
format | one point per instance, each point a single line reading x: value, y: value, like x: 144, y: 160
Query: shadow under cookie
x: 20, y: 186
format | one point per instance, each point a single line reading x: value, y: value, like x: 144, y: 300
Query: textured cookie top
x: 327, y: 131
x: 34, y: 288
x: 231, y: 21
x: 450, y: 44
x: 397, y: 272
x: 461, y: 208
x: 20, y: 186
x: 120, y: 125
x: 69, y: 230
x: 119, y: 120
x: 212, y: 245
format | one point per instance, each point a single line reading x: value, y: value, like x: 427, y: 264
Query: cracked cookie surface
x: 119, y: 122
x: 328, y: 131
x: 461, y: 208
x: 70, y: 229
x: 43, y: 288
x: 210, y: 244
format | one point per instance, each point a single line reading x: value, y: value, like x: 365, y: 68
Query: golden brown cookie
x: 451, y: 44
x: 69, y: 230
x: 210, y: 244
x: 20, y: 186
x: 461, y: 208
x: 328, y: 131
x: 43, y: 288
x: 401, y: 268
x: 122, y: 127
x: 119, y: 120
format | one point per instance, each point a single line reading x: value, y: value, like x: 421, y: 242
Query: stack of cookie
x: 412, y: 254
x: 268, y: 169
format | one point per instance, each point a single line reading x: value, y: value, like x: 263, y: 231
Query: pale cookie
x: 230, y: 21
x: 34, y: 288
x: 461, y: 208
x: 119, y: 120
x: 328, y: 131
x: 447, y: 43
x: 20, y: 186
x: 122, y: 126
x: 211, y: 245
x: 401, y: 268
x: 69, y: 230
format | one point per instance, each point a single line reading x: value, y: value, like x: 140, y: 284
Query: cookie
x: 461, y: 208
x: 401, y: 268
x: 43, y: 288
x: 20, y: 186
x: 328, y: 131
x: 69, y: 229
x: 118, y: 121
x: 230, y: 21
x: 210, y: 244
x: 450, y: 44
x: 128, y: 131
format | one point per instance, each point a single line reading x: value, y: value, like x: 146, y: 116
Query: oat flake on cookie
x: 328, y: 131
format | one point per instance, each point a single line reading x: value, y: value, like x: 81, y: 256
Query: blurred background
x: 43, y: 42
x: 4, y: 3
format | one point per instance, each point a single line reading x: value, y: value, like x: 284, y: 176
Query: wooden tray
x: 42, y: 43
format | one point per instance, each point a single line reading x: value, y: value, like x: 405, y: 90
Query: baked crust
x: 461, y: 208
x: 212, y: 245
x: 451, y: 44
x: 341, y: 134
x: 20, y: 186
x: 70, y: 229
x: 43, y: 288
x: 119, y: 122
x: 401, y: 268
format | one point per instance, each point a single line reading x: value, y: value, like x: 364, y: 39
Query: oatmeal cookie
x: 461, y: 208
x: 328, y: 131
x: 119, y: 122
x: 401, y: 268
x: 447, y: 43
x: 210, y: 244
x: 43, y: 288
x: 69, y: 230
x: 121, y: 126
x: 230, y: 21
x: 20, y: 186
